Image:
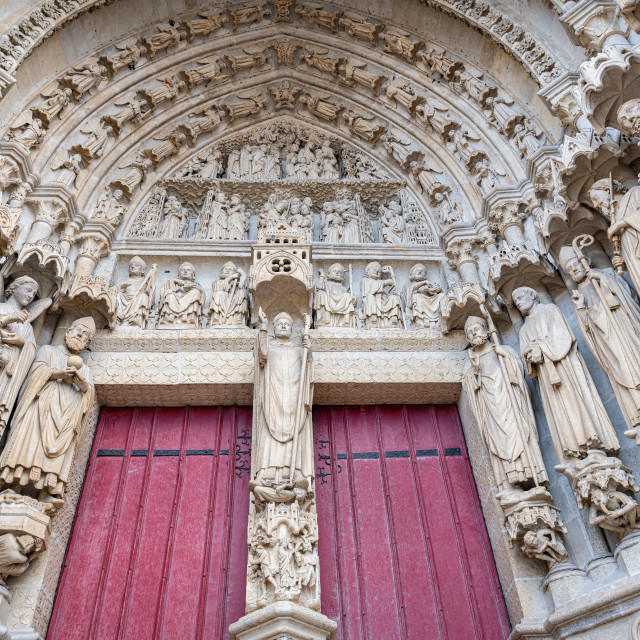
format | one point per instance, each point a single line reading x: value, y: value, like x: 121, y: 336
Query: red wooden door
x: 404, y: 551
x: 159, y: 550
x: 159, y: 547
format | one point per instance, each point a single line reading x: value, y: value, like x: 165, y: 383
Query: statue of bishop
x: 51, y: 416
x: 609, y: 319
x: 283, y: 437
x: 499, y: 399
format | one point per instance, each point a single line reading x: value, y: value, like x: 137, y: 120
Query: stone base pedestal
x: 283, y: 620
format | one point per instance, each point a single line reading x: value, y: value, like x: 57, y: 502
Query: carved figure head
x: 221, y: 197
x: 24, y: 289
x: 336, y: 272
x: 418, y: 272
x: 137, y: 267
x: 476, y: 330
x: 571, y: 264
x: 228, y: 269
x: 282, y: 325
x: 600, y: 195
x: 186, y: 271
x: 235, y: 199
x: 629, y: 117
x: 80, y: 334
x: 117, y: 194
x: 373, y: 270
x: 525, y: 299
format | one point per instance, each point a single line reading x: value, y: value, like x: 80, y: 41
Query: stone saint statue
x: 577, y: 419
x: 51, y: 415
x: 422, y: 299
x: 283, y: 434
x: 181, y: 300
x: 136, y: 294
x: 609, y: 319
x: 499, y: 399
x: 381, y: 306
x: 229, y: 304
x: 17, y: 342
x: 334, y: 304
x: 624, y: 217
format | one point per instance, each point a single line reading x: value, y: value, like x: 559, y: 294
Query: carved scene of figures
x: 229, y: 304
x: 136, y: 294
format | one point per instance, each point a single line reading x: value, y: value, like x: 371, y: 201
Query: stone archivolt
x: 226, y: 146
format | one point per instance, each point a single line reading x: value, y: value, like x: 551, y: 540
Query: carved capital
x: 91, y: 296
x: 51, y: 212
x: 459, y: 251
x: 93, y: 247
x: 507, y: 214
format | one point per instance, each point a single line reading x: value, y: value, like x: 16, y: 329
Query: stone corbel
x: 533, y: 523
x: 24, y: 529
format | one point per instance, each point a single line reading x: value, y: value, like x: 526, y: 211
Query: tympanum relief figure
x: 422, y: 299
x: 136, y: 294
x: 334, y: 304
x: 229, y: 304
x: 582, y: 433
x: 17, y: 342
x: 175, y: 220
x: 50, y: 417
x: 391, y: 223
x: 181, y: 300
x: 609, y: 319
x: 381, y: 305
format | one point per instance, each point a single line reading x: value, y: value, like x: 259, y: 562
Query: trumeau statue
x: 283, y: 436
x: 51, y: 416
x: 577, y: 419
x: 229, y: 304
x: 136, y: 294
x: 381, y: 306
x: 624, y: 217
x: 334, y: 304
x: 181, y: 300
x: 497, y: 392
x: 422, y: 299
x: 17, y: 342
x: 609, y: 319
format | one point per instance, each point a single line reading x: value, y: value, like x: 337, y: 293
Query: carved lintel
x: 24, y: 530
x: 534, y: 524
x: 91, y: 296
